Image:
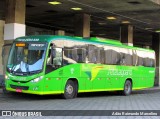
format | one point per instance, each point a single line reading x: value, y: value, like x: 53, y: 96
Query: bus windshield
x: 26, y: 58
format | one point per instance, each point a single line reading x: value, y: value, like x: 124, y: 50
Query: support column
x: 126, y: 34
x: 147, y: 47
x: 156, y: 48
x: 156, y: 1
x: 15, y: 19
x: 14, y: 26
x: 2, y: 22
x: 60, y: 32
x: 82, y: 25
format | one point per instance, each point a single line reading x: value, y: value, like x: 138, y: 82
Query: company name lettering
x: 37, y: 45
x: 29, y: 39
x: 119, y: 72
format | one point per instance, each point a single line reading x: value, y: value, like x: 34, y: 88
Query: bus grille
x: 19, y: 87
x: 21, y: 81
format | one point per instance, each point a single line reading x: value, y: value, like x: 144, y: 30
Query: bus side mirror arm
x: 3, y: 52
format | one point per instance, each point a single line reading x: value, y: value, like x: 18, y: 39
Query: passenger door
x: 54, y: 75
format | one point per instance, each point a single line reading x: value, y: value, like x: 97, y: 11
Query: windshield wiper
x: 35, y: 72
x: 21, y: 73
x: 26, y: 66
x: 12, y: 69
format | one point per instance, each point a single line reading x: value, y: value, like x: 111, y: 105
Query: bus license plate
x: 19, y: 90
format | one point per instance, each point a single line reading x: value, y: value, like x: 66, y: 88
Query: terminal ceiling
x: 143, y: 14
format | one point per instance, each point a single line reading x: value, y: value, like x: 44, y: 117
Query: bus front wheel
x: 70, y: 90
x: 127, y: 88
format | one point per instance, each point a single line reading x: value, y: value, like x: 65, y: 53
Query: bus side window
x: 134, y: 58
x: 148, y: 62
x: 102, y: 56
x: 49, y: 67
x: 91, y: 54
x: 140, y: 61
x: 108, y: 56
x: 152, y: 62
x: 54, y: 59
x: 81, y: 55
x: 115, y: 57
x: 127, y: 59
x: 138, y: 58
x: 57, y: 57
x: 49, y: 57
x: 122, y: 58
x: 69, y: 56
x: 112, y: 57
x: 98, y: 55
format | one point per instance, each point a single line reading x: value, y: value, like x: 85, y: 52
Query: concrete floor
x: 148, y: 99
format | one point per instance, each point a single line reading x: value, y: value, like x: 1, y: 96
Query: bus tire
x: 70, y: 90
x: 4, y: 88
x: 127, y: 88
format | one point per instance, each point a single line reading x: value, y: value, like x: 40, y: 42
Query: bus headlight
x: 37, y: 79
x: 6, y: 77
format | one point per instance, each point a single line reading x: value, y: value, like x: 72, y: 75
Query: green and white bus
x: 69, y: 65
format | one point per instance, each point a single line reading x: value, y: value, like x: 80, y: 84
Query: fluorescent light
x: 157, y: 31
x: 76, y: 8
x: 101, y: 34
x: 148, y: 28
x: 111, y: 18
x: 125, y: 22
x: 55, y: 3
x: 102, y: 23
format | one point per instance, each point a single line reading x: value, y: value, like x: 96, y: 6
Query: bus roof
x: 94, y: 40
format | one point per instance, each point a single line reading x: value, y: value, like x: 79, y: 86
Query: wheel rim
x: 128, y: 87
x: 69, y: 89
